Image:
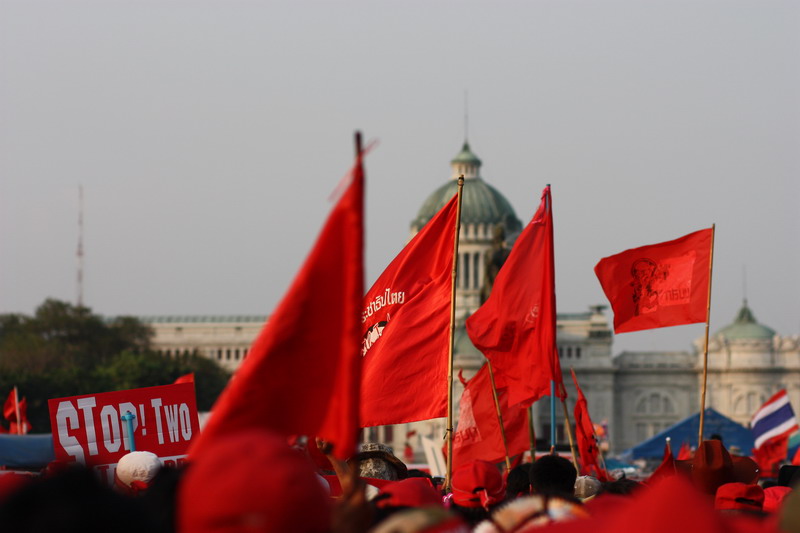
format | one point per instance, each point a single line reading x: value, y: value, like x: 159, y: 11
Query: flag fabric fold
x: 477, y: 434
x: 405, y: 333
x: 302, y: 373
x: 516, y: 327
x: 658, y: 285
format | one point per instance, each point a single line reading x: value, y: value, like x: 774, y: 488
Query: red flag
x: 405, y: 329
x: 584, y: 432
x: 666, y: 468
x: 516, y: 327
x: 302, y: 373
x: 477, y: 435
x: 659, y: 285
x: 770, y: 455
x: 685, y: 452
x: 186, y: 378
x: 16, y: 412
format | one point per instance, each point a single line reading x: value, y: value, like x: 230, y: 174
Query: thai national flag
x: 774, y: 419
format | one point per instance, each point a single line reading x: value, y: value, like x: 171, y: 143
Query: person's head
x: 587, y: 487
x: 410, y: 493
x: 621, y: 487
x: 74, y: 499
x: 712, y: 466
x: 739, y: 498
x: 252, y: 479
x: 518, y: 481
x: 378, y: 461
x: 553, y: 474
x: 477, y: 488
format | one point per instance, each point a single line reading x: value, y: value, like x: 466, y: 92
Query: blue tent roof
x: 26, y: 451
x: 733, y: 434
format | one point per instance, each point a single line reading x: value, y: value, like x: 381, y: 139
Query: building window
x: 476, y: 271
x: 465, y: 264
x: 578, y: 352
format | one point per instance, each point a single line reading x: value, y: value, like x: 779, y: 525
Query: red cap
x: 251, y: 481
x: 478, y: 484
x: 739, y: 496
x: 411, y: 492
x: 773, y: 498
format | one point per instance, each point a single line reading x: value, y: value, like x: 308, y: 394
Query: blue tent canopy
x: 733, y: 434
x: 26, y: 451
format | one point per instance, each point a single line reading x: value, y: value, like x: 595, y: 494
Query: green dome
x: 746, y: 327
x: 480, y: 204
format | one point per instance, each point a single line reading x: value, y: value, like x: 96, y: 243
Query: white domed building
x: 634, y: 394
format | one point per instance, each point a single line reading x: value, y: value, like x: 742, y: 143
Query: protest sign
x: 89, y: 429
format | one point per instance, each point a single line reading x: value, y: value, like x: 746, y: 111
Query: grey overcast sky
x: 208, y: 136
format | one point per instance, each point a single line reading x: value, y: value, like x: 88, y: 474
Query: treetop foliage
x: 66, y: 350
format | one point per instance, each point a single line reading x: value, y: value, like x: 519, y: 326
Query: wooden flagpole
x: 569, y: 436
x: 449, y: 433
x: 16, y: 409
x: 532, y: 433
x: 499, y: 415
x: 705, y: 345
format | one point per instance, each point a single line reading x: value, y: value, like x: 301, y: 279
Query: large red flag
x: 584, y: 433
x: 516, y: 327
x: 477, y: 435
x: 302, y: 373
x: 405, y: 329
x: 659, y: 285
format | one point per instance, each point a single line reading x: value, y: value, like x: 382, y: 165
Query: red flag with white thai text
x: 659, y: 285
x: 478, y: 435
x: 516, y: 327
x: 302, y: 373
x: 405, y: 329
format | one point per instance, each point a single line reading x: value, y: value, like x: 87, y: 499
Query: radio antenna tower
x: 79, y: 253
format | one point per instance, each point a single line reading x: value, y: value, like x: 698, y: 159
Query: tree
x: 66, y: 350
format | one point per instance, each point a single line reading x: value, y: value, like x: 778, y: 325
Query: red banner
x: 89, y: 429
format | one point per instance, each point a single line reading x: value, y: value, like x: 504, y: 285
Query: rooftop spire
x: 466, y: 163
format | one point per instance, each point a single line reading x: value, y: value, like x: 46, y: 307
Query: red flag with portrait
x: 659, y: 285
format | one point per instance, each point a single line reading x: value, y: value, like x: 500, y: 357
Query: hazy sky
x: 208, y: 137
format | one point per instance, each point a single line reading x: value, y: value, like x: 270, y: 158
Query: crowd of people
x: 254, y: 481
